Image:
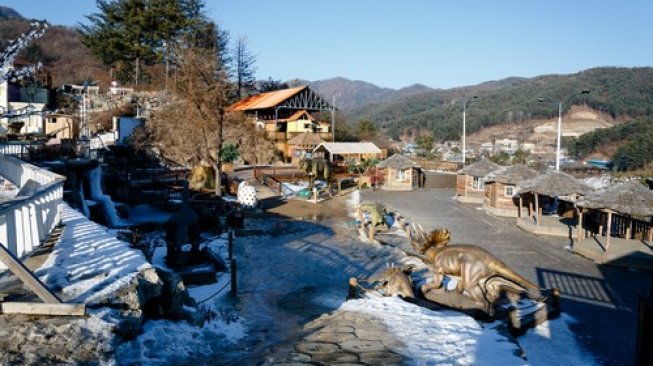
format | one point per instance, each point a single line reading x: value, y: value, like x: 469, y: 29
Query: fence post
x: 234, y: 280
x: 230, y: 241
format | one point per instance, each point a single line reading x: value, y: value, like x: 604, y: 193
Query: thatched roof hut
x: 513, y: 174
x: 630, y: 198
x: 479, y: 169
x: 397, y: 161
x: 554, y: 184
x: 402, y: 174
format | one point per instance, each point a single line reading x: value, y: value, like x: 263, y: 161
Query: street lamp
x: 464, y: 113
x: 559, y: 102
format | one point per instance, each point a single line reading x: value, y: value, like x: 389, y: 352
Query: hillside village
x: 170, y: 208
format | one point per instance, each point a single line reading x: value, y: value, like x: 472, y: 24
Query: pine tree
x: 133, y: 33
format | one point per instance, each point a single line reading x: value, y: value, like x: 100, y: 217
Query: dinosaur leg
x: 438, y: 276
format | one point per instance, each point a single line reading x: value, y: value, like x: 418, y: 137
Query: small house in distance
x: 470, y: 183
x: 501, y: 186
x: 401, y: 173
x: 340, y: 152
x: 59, y: 126
x: 302, y: 146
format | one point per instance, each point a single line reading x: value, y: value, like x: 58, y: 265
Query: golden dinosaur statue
x: 483, y: 276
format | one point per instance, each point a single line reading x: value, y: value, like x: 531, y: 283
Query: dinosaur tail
x: 515, y: 277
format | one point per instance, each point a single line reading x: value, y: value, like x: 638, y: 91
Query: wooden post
x: 607, y: 233
x: 537, y: 211
x: 520, y: 204
x: 579, y: 227
x: 629, y: 229
x: 230, y: 241
x: 234, y: 279
x: 26, y: 276
x: 372, y: 231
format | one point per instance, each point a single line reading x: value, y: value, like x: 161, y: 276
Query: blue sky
x: 441, y: 44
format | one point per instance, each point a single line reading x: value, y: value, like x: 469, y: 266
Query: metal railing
x: 26, y: 221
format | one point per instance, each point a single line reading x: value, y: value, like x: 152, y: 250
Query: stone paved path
x: 344, y: 338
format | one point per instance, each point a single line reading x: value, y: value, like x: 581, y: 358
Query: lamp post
x: 464, y: 122
x: 559, y: 102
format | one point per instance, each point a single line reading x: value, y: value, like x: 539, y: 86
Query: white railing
x: 25, y: 221
x: 14, y: 149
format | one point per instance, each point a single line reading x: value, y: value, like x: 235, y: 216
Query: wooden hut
x: 554, y: 193
x: 623, y: 211
x: 302, y: 146
x: 501, y: 190
x: 401, y: 173
x: 551, y: 186
x: 470, y: 182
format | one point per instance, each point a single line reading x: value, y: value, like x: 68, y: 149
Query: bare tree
x: 189, y: 129
x: 244, y: 66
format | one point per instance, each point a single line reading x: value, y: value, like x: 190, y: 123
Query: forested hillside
x: 623, y: 93
x: 633, y: 141
x: 60, y: 49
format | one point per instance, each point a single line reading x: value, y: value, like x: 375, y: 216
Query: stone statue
x: 182, y: 228
x: 396, y: 282
x: 317, y: 168
x: 480, y: 274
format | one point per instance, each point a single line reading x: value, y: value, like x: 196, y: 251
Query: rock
x: 316, y: 347
x: 330, y: 337
x: 145, y: 286
x: 193, y: 316
x: 174, y: 295
x: 381, y: 358
x: 359, y: 346
x: 335, y: 357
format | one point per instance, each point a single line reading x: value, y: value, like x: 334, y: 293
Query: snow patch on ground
x: 163, y: 342
x: 442, y: 337
x: 89, y: 264
x: 553, y: 343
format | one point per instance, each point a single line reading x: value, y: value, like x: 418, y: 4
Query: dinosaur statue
x: 483, y: 276
x: 316, y: 168
x: 396, y: 282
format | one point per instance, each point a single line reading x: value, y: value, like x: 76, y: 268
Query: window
x: 509, y: 191
x: 53, y: 120
x: 478, y: 183
x: 400, y: 174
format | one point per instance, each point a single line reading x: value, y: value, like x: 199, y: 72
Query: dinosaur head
x: 422, y: 241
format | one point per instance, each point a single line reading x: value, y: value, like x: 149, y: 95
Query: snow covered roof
x: 348, y: 148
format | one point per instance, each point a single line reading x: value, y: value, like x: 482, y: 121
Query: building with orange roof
x: 288, y: 113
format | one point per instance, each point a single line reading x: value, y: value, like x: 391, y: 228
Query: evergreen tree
x: 133, y: 33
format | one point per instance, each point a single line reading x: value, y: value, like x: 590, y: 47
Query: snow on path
x: 89, y: 264
x: 438, y: 337
x: 447, y: 337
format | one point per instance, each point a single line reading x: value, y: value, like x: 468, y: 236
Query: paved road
x: 292, y: 281
x: 603, y: 299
